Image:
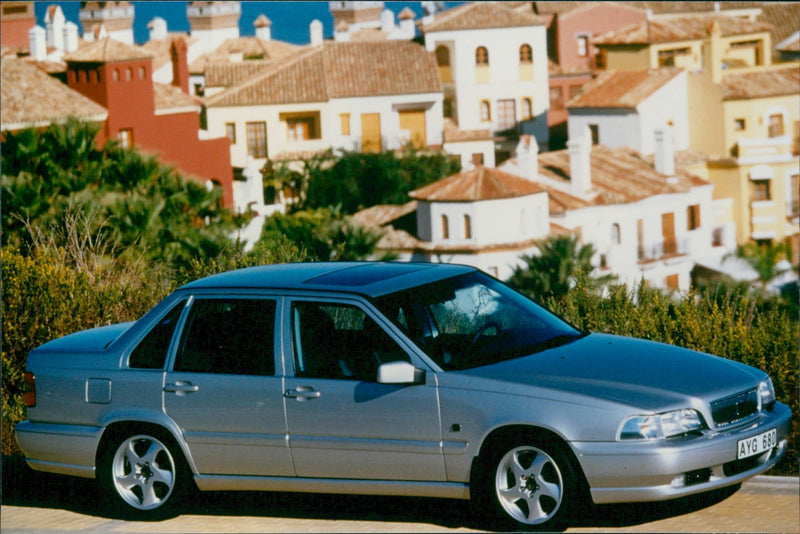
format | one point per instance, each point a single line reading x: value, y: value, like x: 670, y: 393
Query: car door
x: 223, y: 391
x: 342, y: 423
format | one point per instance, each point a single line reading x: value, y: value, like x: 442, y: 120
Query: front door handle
x: 181, y: 387
x: 302, y: 393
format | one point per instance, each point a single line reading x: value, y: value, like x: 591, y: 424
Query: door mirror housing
x: 400, y: 373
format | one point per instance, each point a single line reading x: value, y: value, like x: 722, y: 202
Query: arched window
x: 115, y: 75
x: 442, y: 56
x: 142, y: 73
x: 128, y: 74
x: 525, y: 54
x: 445, y: 227
x: 481, y: 56
x: 527, y: 109
x: 467, y: 227
x: 615, y: 235
x: 486, y: 114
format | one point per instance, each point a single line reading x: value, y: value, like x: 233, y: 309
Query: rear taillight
x: 30, y: 389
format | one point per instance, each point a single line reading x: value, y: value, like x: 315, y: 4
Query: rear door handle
x: 181, y: 387
x: 302, y: 393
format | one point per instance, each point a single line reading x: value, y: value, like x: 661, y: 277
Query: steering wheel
x: 482, y: 330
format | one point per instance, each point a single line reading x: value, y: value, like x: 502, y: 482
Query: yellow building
x: 744, y: 114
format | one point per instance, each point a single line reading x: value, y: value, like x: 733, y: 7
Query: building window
x: 467, y: 227
x: 794, y: 196
x: 527, y: 109
x: 583, y: 45
x: 672, y: 281
x: 481, y: 56
x: 486, y: 114
x: 506, y: 114
x: 115, y: 75
x: 128, y: 74
x: 344, y: 119
x: 142, y: 73
x: 595, y: 129
x: 125, y: 137
x: 739, y: 124
x: 477, y: 158
x: 445, y: 227
x: 667, y: 58
x: 575, y: 90
x: 257, y: 139
x: 761, y: 190
x: 442, y: 56
x: 230, y: 131
x: 615, y: 234
x: 300, y: 129
x: 776, y: 125
x: 525, y: 54
x: 556, y: 100
x: 693, y: 217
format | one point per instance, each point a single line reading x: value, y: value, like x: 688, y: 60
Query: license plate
x: 757, y: 444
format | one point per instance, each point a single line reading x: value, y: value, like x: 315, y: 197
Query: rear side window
x: 152, y: 350
x: 228, y: 336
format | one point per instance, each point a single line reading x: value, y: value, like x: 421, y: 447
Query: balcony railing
x: 661, y: 250
x: 764, y: 150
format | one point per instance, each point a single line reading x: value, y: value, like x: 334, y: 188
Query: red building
x: 157, y: 118
x: 16, y: 19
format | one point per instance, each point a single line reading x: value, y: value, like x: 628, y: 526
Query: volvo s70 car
x: 390, y: 378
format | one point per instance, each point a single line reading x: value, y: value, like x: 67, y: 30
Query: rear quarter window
x: 151, y: 353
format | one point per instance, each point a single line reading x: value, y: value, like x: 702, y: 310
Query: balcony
x: 663, y: 250
x: 764, y: 150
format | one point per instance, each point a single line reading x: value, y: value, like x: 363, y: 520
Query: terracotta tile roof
x: 453, y: 134
x: 250, y: 47
x: 107, y: 50
x: 159, y: 48
x: 658, y: 8
x: 480, y: 183
x: 31, y: 97
x: 761, y: 84
x: 622, y: 89
x: 784, y: 18
x: 383, y: 214
x: 687, y: 28
x: 230, y: 74
x: 338, y: 70
x: 169, y: 97
x: 619, y: 176
x: 480, y: 16
x: 791, y: 45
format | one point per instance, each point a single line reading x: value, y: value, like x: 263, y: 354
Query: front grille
x: 735, y: 409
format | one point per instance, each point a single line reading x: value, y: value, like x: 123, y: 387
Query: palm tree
x: 552, y: 272
x: 764, y: 258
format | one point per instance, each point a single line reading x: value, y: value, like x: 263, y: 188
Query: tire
x: 142, y: 476
x: 529, y: 483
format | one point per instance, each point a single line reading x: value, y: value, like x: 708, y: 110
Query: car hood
x: 93, y: 340
x: 634, y: 372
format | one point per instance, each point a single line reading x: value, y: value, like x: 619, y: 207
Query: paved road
x: 37, y: 502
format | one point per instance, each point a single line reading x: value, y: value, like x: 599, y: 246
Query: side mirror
x: 400, y: 373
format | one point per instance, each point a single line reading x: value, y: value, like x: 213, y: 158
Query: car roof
x: 371, y: 279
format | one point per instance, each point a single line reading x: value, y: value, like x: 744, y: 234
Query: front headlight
x: 659, y: 426
x: 766, y: 394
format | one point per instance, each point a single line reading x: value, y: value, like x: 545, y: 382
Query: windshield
x: 474, y: 320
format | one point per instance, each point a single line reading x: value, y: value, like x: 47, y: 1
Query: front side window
x: 228, y: 336
x: 339, y: 341
x: 257, y: 139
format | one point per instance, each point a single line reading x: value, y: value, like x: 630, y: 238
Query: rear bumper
x: 62, y: 449
x: 653, y: 471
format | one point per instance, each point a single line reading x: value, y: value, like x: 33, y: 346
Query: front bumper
x: 653, y: 471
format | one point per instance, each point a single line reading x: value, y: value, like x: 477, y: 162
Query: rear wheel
x: 142, y: 473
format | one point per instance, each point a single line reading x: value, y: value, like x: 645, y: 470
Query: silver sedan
x: 390, y: 379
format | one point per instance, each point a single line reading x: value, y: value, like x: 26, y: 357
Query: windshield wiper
x: 555, y: 341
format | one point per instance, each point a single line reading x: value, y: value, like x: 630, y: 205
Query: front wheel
x: 141, y: 473
x: 530, y: 485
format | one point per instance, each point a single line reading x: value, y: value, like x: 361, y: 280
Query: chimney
x: 580, y: 166
x: 315, y: 29
x: 37, y: 37
x: 387, y: 21
x: 407, y: 27
x: 716, y: 52
x: 180, y: 65
x: 342, y: 32
x: 665, y: 151
x: 528, y: 157
x: 54, y: 21
x: 70, y: 37
x: 158, y: 29
x: 263, y: 28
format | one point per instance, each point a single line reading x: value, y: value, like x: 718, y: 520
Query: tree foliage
x: 138, y: 205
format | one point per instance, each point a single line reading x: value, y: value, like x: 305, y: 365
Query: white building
x: 482, y: 217
x: 625, y: 108
x: 115, y: 19
x: 493, y: 65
